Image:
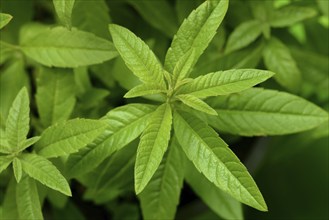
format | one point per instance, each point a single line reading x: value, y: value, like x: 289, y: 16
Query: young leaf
x: 17, y: 167
x: 55, y: 95
x: 17, y: 124
x: 221, y: 203
x: 137, y: 56
x: 152, y: 146
x: 68, y: 137
x: 197, y: 104
x: 278, y: 59
x: 61, y: 47
x: 258, y: 112
x: 290, y: 15
x: 243, y: 35
x: 161, y: 196
x: 5, y: 161
x: 64, y: 9
x: 27, y: 197
x: 4, y: 19
x: 28, y: 142
x: 184, y: 65
x: 196, y: 31
x: 45, y: 172
x: 126, y: 123
x: 144, y: 89
x: 211, y: 156
x: 225, y: 82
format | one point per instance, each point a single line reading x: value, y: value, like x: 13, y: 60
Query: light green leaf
x: 225, y: 82
x: 5, y: 161
x: 164, y: 20
x: 17, y: 167
x: 137, y: 55
x: 68, y: 137
x: 55, y: 95
x: 144, y: 89
x: 221, y: 203
x: 211, y: 156
x: 258, y: 112
x: 28, y: 142
x: 289, y: 15
x: 4, y: 19
x: 197, y: 104
x: 61, y: 47
x: 184, y: 65
x: 152, y: 146
x: 243, y: 35
x: 160, y: 197
x: 64, y: 9
x: 278, y: 59
x: 9, y: 204
x: 196, y: 31
x: 45, y: 172
x: 17, y: 124
x: 95, y: 17
x: 27, y: 197
x: 4, y: 145
x: 126, y: 123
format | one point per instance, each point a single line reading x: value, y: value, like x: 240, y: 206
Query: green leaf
x: 211, y: 156
x: 9, y: 204
x: 152, y: 146
x: 17, y: 124
x: 221, y: 203
x: 197, y: 104
x: 5, y: 161
x: 196, y: 31
x: 28, y: 142
x: 64, y: 9
x: 258, y: 112
x: 164, y: 20
x: 68, y: 137
x: 243, y: 35
x: 137, y: 55
x: 289, y: 15
x: 55, y: 95
x: 4, y: 145
x: 225, y: 82
x: 184, y: 65
x: 45, y: 172
x: 17, y: 167
x: 160, y: 197
x: 278, y: 59
x: 4, y: 19
x: 126, y: 123
x: 27, y: 197
x: 61, y: 47
x: 144, y: 89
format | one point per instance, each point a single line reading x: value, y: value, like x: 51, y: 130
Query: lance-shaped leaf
x: 289, y: 15
x: 137, y: 55
x: 17, y: 167
x: 196, y: 103
x: 144, y: 89
x: 45, y: 172
x: 61, y: 47
x: 243, y: 35
x: 9, y: 204
x: 278, y: 59
x: 64, y: 9
x: 68, y: 137
x: 196, y: 31
x: 184, y: 65
x: 27, y: 198
x: 152, y: 146
x: 225, y: 82
x: 257, y: 112
x: 221, y: 203
x: 211, y: 156
x: 160, y: 197
x: 55, y: 95
x: 17, y: 124
x: 5, y: 161
x: 28, y: 142
x: 4, y: 19
x: 126, y: 123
